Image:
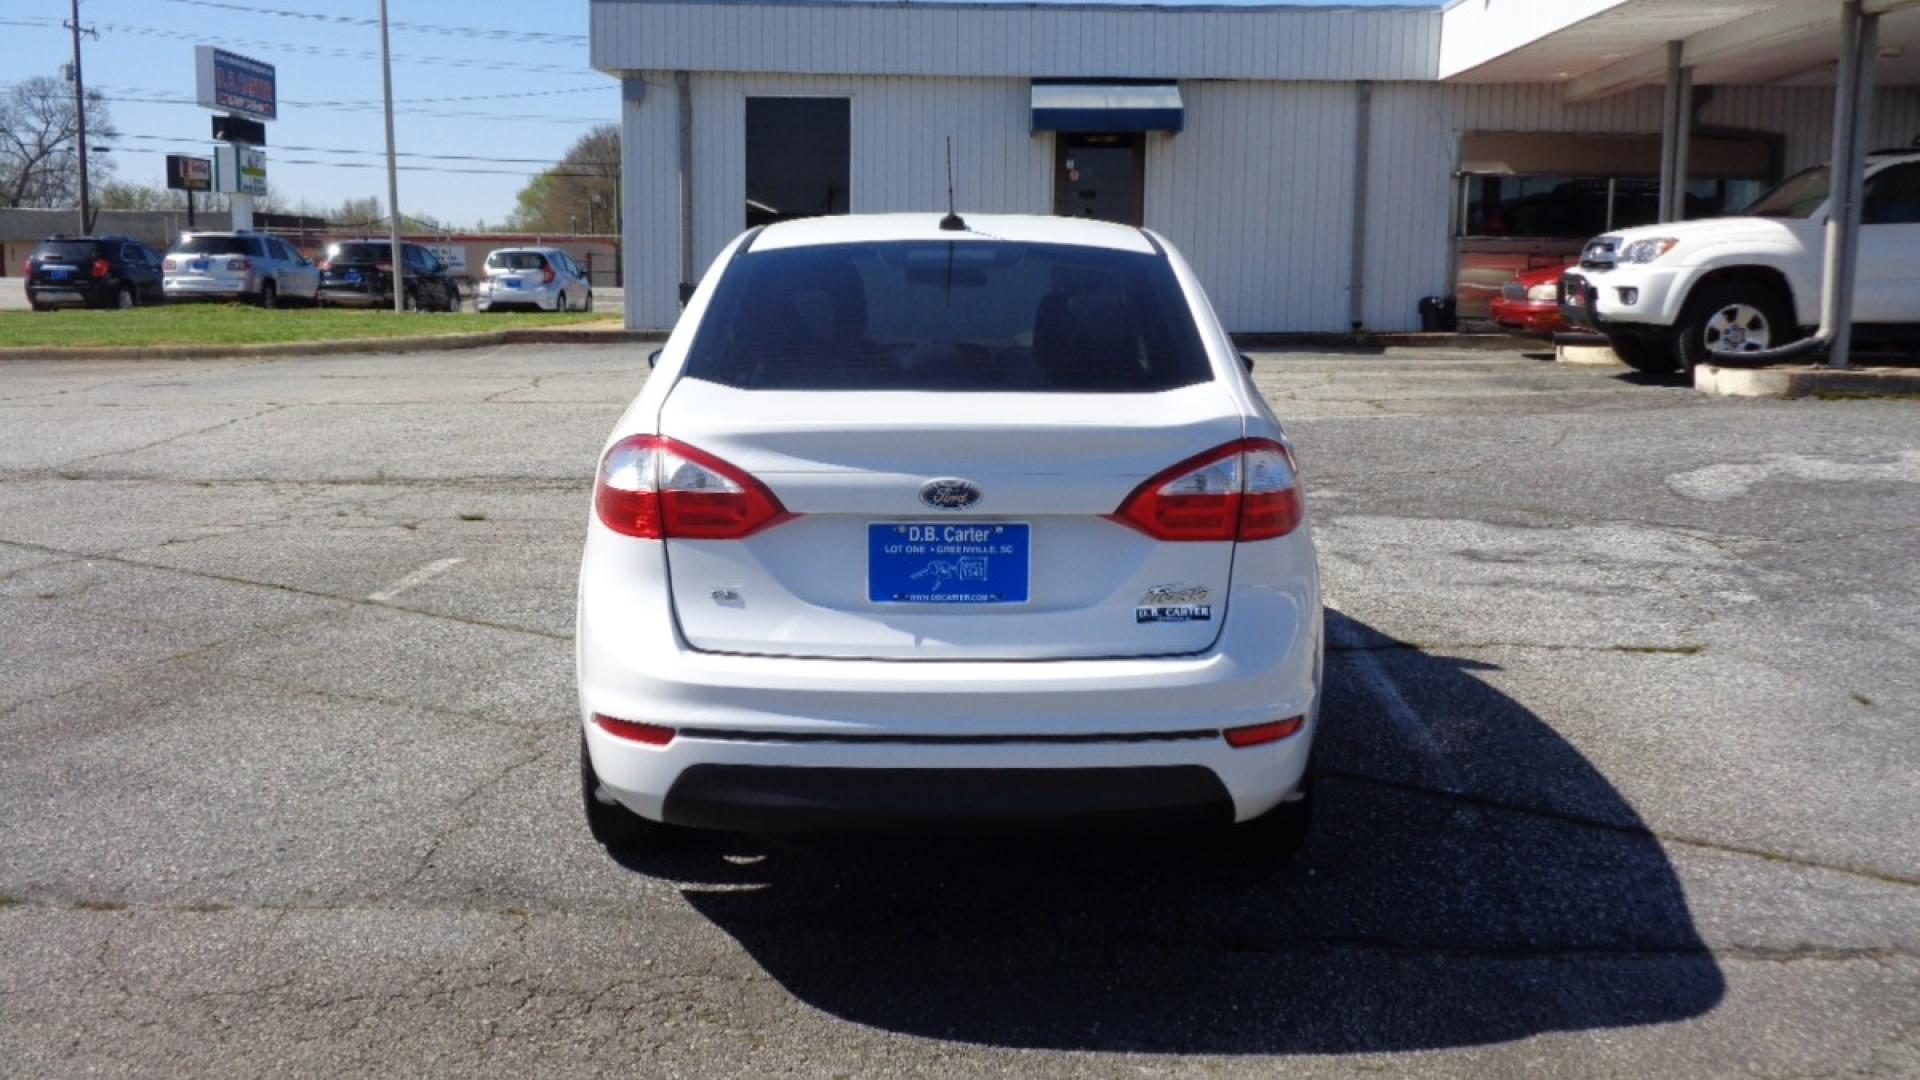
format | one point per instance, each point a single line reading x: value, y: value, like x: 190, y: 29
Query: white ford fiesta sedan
x: 918, y: 526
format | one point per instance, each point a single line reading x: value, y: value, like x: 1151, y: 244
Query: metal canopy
x: 1107, y: 107
x: 1598, y: 48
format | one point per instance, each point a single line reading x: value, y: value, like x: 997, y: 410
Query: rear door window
x: 213, y: 245
x: 974, y: 315
x: 358, y: 253
x: 65, y: 251
x: 516, y: 260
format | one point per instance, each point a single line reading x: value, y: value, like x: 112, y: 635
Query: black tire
x: 589, y: 306
x: 269, y: 295
x: 1750, y: 305
x: 1651, y: 355
x: 453, y: 301
x: 613, y: 826
x: 38, y: 306
x: 410, y: 302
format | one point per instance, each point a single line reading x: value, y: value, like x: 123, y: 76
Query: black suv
x: 359, y: 273
x: 93, y: 271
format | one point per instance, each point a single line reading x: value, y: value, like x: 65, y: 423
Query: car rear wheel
x: 613, y: 826
x: 410, y: 302
x: 124, y: 299
x: 269, y: 295
x: 589, y: 306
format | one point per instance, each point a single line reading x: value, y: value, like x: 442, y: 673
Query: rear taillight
x: 29, y: 269
x: 325, y: 266
x: 168, y: 264
x: 239, y: 264
x: 546, y: 276
x: 384, y: 267
x: 1245, y: 490
x: 656, y: 489
x: 632, y: 731
x: 100, y: 268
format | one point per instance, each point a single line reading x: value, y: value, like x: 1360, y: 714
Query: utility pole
x: 80, y: 107
x: 397, y: 255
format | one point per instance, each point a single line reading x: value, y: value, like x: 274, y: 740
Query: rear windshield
x: 516, y: 260
x: 65, y: 251
x: 972, y: 315
x: 213, y: 245
x: 359, y: 253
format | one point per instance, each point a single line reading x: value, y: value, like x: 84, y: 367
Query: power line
x: 345, y: 150
x: 487, y: 33
x: 309, y: 50
x: 404, y: 168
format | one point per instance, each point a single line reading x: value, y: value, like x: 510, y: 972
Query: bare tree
x: 39, y: 142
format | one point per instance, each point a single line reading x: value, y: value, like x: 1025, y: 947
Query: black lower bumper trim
x: 780, y: 798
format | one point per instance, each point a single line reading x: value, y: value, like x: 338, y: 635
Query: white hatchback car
x: 916, y: 527
x: 543, y: 279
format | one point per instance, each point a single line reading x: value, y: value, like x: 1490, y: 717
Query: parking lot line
x: 419, y: 577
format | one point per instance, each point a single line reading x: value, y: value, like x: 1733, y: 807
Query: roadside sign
x: 454, y: 255
x: 189, y: 173
x: 239, y: 170
x: 235, y: 83
x: 239, y: 129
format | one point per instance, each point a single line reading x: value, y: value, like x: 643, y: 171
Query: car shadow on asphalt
x: 1470, y: 879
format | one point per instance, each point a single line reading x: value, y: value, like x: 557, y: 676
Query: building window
x: 799, y: 158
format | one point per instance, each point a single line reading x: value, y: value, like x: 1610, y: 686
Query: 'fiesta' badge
x: 949, y: 494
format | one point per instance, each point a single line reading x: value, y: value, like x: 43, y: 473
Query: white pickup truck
x: 1671, y: 296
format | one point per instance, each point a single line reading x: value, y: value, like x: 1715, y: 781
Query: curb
x: 1586, y: 356
x: 1806, y: 382
x: 1392, y: 340
x: 430, y: 343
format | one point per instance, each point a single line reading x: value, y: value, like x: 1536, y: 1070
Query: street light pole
x: 396, y: 254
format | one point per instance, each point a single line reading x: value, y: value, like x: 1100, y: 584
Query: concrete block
x: 1799, y: 382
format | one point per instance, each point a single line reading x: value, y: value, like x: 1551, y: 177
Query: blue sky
x: 329, y: 84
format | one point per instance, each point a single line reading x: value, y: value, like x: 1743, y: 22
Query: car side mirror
x: 1246, y: 362
x: 653, y: 358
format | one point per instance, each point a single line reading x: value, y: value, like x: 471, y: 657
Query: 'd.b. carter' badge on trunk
x: 1174, y: 604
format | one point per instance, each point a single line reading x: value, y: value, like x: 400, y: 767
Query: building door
x: 1100, y: 176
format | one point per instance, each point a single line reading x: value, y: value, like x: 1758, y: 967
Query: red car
x: 1530, y: 303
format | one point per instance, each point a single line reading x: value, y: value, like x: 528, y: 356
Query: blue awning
x: 1107, y: 107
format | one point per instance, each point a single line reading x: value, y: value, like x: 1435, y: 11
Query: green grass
x: 226, y: 324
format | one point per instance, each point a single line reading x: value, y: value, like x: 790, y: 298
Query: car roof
x: 883, y: 228
x: 524, y: 250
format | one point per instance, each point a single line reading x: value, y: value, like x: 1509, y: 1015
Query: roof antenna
x: 952, y: 222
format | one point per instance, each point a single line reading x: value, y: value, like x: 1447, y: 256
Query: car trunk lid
x: 1034, y: 567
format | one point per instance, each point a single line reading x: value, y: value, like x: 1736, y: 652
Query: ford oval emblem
x: 949, y: 494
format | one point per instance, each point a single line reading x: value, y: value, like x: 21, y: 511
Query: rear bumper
x: 929, y: 718
x: 355, y: 297
x: 208, y: 288
x: 762, y: 798
x: 544, y: 298
x: 72, y: 294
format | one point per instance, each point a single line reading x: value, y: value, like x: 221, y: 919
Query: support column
x: 1362, y: 155
x: 683, y: 88
x: 1853, y: 119
x: 1676, y: 132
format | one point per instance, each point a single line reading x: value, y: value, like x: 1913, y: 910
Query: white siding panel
x: 822, y: 38
x: 1257, y: 193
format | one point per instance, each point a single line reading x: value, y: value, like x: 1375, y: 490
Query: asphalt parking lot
x: 1617, y: 774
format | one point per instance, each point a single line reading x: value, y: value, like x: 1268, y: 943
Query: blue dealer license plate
x: 941, y: 562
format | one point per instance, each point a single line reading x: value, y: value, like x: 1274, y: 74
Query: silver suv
x: 246, y: 266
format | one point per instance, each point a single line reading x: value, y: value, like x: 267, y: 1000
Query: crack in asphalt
x: 294, y: 590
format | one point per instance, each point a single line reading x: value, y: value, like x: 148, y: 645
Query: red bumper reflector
x: 648, y: 734
x: 1241, y: 738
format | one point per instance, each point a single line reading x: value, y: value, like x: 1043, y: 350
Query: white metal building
x: 1323, y: 168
